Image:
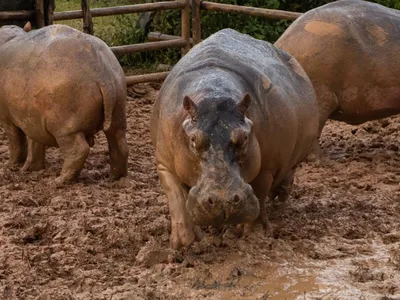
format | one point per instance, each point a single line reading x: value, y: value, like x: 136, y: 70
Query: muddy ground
x: 338, y: 237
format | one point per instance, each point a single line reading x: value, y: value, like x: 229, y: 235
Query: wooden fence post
x: 50, y: 7
x: 87, y: 17
x: 185, y: 27
x: 196, y: 21
x: 40, y: 21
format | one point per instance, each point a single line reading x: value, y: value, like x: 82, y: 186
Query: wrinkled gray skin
x: 231, y: 122
x: 58, y: 87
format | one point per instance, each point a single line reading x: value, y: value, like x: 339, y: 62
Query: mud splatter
x: 378, y: 34
x: 323, y: 29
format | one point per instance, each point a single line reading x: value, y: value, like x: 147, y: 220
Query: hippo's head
x: 219, y: 135
x: 8, y: 32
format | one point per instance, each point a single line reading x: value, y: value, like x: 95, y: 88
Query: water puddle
x: 359, y: 276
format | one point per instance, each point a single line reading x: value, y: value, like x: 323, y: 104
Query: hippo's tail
x: 108, y: 106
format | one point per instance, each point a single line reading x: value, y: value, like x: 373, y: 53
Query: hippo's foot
x: 12, y: 163
x: 315, y: 154
x: 183, y: 235
x: 35, y: 159
x: 113, y: 176
x: 33, y: 165
x: 262, y: 219
x: 64, y: 180
x: 280, y: 195
x: 312, y: 157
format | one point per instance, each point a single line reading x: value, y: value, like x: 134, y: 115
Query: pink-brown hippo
x: 58, y: 87
x: 230, y: 123
x: 349, y: 49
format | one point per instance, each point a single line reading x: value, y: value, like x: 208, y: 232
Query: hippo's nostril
x: 236, y: 199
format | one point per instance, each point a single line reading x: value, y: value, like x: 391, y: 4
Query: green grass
x: 114, y: 30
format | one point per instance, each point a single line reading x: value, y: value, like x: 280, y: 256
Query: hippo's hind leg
x: 35, y: 160
x: 328, y: 102
x: 183, y: 232
x: 75, y: 150
x: 117, y: 144
x: 17, y: 144
x: 118, y: 149
x: 283, y: 190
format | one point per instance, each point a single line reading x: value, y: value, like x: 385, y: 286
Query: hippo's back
x: 349, y: 50
x: 59, y: 48
x: 355, y: 21
x: 254, y: 63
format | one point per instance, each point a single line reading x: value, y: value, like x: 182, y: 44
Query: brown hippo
x: 230, y: 123
x: 58, y: 87
x: 349, y: 49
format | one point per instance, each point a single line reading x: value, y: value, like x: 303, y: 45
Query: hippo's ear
x: 190, y: 106
x: 245, y: 103
x: 28, y: 27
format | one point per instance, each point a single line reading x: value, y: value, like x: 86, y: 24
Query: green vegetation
x: 120, y: 30
x: 114, y: 30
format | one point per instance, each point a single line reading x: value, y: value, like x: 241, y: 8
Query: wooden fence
x: 45, y: 15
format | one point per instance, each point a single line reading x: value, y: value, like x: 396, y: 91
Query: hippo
x: 59, y: 87
x: 231, y: 122
x: 349, y: 49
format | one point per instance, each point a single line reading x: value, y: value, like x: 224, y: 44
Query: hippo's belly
x: 33, y: 124
x: 362, y: 104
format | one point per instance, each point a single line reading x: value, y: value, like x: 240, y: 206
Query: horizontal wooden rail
x: 158, y: 36
x: 17, y: 15
x: 119, y: 10
x: 118, y: 50
x: 131, y: 80
x: 253, y: 11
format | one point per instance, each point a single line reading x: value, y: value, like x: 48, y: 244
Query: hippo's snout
x: 216, y: 207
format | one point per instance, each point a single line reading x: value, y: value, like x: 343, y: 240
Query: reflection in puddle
x: 359, y: 276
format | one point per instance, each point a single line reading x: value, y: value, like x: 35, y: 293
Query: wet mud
x: 337, y: 237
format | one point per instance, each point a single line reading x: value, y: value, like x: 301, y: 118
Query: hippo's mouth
x: 226, y: 213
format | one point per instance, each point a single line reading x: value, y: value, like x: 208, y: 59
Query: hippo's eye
x: 197, y: 141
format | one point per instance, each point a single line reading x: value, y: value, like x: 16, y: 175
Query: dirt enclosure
x: 338, y: 237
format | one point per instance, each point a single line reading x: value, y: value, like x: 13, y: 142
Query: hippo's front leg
x: 261, y: 186
x: 183, y: 232
x: 35, y: 159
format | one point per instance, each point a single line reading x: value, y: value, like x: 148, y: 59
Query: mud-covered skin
x: 231, y: 121
x: 58, y: 87
x: 349, y: 49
